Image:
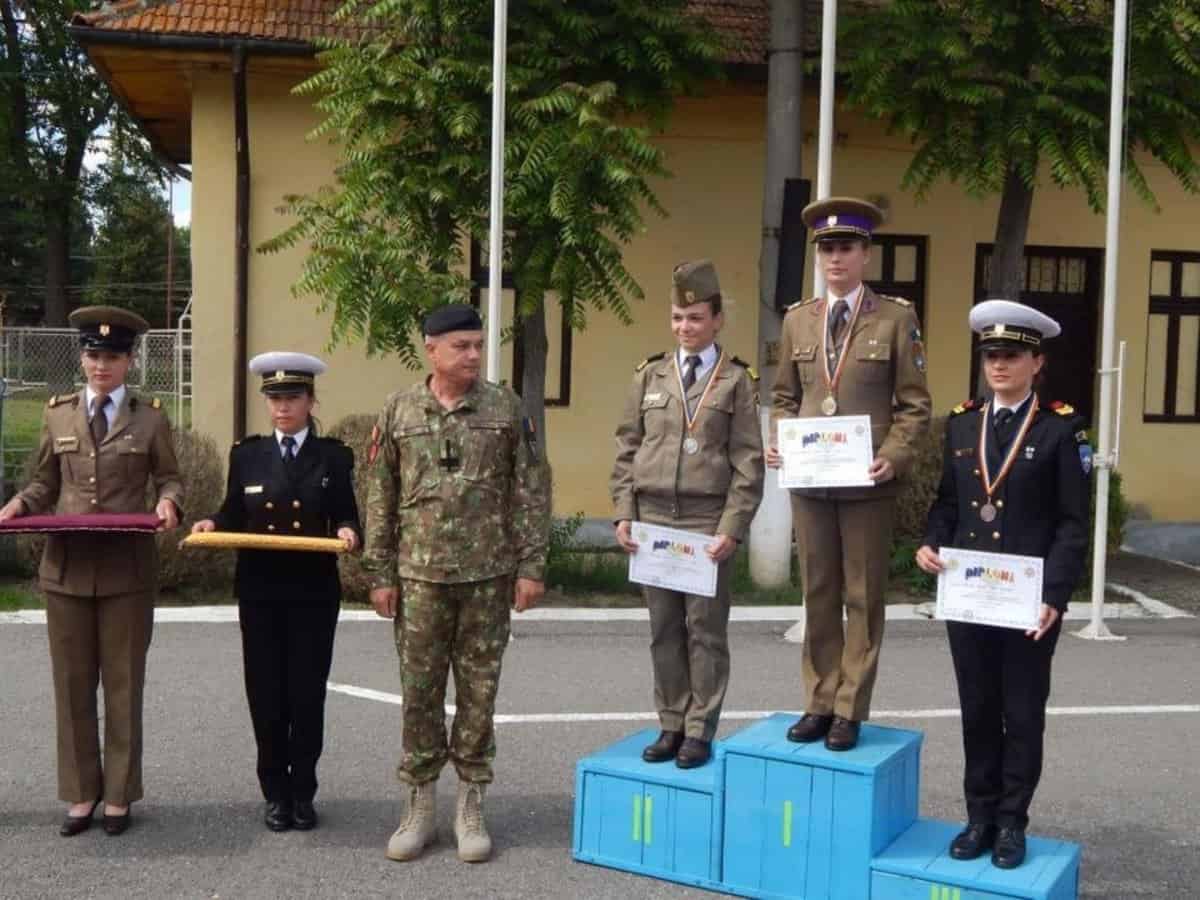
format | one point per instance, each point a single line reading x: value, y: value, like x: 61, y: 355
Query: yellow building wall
x: 716, y: 152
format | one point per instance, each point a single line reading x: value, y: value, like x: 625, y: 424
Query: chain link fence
x: 37, y: 363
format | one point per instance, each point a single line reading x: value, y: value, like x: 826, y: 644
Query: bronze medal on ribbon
x: 988, y: 511
x: 829, y: 405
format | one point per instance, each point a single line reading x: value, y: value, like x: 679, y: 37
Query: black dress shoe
x: 114, y: 825
x: 810, y: 728
x: 73, y: 825
x: 843, y: 734
x: 1009, y: 851
x: 664, y: 748
x: 304, y: 817
x: 972, y: 841
x: 693, y: 753
x: 278, y: 816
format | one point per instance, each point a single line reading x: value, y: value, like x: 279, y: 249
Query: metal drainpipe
x: 242, y: 241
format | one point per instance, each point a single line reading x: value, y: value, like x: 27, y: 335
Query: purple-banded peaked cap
x: 839, y: 218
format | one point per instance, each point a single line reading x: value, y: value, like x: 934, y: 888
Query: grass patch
x: 18, y: 596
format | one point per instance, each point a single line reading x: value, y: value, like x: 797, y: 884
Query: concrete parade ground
x: 1121, y: 763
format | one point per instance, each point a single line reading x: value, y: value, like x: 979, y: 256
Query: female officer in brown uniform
x: 292, y: 482
x: 98, y: 449
x: 689, y: 455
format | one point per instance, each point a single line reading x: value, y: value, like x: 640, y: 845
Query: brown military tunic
x: 100, y: 588
x: 844, y: 534
x: 715, y: 490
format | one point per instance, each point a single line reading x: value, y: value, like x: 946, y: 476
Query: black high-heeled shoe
x: 73, y: 825
x: 114, y: 825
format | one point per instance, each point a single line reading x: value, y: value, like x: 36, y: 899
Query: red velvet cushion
x: 144, y: 523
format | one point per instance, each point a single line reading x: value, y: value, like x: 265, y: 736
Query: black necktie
x: 1001, y: 416
x: 689, y: 376
x: 289, y: 454
x: 100, y: 420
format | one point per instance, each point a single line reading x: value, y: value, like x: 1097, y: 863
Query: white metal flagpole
x: 1105, y: 453
x: 496, y: 221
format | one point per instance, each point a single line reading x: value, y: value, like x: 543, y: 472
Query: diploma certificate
x: 990, y: 588
x: 673, y: 559
x: 833, y: 451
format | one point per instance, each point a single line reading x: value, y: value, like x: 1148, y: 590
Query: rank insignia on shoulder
x: 803, y: 302
x: 965, y: 406
x: 745, y: 365
x: 156, y: 403
x: 59, y: 399
x: 649, y: 359
x: 899, y: 301
x: 1063, y: 409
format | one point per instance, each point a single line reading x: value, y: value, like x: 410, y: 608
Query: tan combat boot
x: 419, y: 827
x: 474, y: 843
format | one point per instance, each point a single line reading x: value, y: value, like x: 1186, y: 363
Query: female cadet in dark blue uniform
x: 1014, y: 480
x: 290, y: 483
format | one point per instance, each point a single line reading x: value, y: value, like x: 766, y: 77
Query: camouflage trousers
x: 463, y: 627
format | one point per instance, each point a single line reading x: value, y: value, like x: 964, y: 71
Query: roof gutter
x: 89, y: 34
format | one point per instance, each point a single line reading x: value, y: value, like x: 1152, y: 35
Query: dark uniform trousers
x: 843, y: 561
x: 99, y: 639
x: 288, y: 650
x: 1003, y: 685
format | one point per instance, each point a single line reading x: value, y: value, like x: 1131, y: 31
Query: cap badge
x: 104, y: 330
x: 832, y: 220
x: 690, y: 295
x: 279, y: 373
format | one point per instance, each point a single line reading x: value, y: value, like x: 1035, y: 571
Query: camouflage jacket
x: 455, y: 495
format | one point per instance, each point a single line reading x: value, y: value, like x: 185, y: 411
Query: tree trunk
x: 533, y: 371
x: 58, y: 249
x: 1008, y: 253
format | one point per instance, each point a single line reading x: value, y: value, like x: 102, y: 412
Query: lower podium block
x: 650, y: 818
x: 917, y: 866
x: 802, y: 821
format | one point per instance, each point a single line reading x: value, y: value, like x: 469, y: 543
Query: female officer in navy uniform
x: 1014, y: 480
x: 290, y: 483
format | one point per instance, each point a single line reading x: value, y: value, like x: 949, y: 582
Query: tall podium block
x: 649, y: 818
x: 803, y: 822
x: 917, y: 866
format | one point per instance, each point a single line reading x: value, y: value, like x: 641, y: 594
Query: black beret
x: 455, y: 317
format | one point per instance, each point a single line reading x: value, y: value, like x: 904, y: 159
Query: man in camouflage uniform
x: 458, y: 516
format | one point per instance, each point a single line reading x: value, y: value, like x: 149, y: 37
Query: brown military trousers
x: 93, y: 641
x: 845, y: 547
x: 461, y: 627
x: 689, y: 635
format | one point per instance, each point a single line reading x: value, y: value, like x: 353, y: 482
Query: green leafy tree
x: 130, y: 252
x: 51, y: 104
x: 999, y: 95
x: 410, y: 105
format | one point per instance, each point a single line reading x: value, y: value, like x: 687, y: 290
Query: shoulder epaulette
x: 248, y: 439
x: 59, y: 399
x: 1063, y: 409
x: 966, y: 406
x: 156, y: 403
x: 800, y: 303
x: 332, y: 440
x: 745, y: 365
x: 649, y: 359
x: 897, y: 300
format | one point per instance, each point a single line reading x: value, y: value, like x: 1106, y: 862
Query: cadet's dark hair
x: 714, y: 303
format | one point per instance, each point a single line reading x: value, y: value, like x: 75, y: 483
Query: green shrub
x: 920, y: 484
x: 355, y: 431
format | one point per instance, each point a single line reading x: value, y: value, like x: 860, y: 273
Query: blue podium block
x: 917, y: 866
x: 802, y: 822
x: 649, y: 818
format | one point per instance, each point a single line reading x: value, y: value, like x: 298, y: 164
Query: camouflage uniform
x: 458, y: 504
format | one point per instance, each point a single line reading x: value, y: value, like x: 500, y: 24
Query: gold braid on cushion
x: 241, y: 540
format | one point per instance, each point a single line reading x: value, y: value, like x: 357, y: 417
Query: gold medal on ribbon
x: 691, y: 445
x: 829, y: 405
x: 988, y: 511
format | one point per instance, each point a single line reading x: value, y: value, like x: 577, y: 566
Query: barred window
x: 1173, y: 338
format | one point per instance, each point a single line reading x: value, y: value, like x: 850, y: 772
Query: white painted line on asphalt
x: 1154, y: 607
x: 751, y: 714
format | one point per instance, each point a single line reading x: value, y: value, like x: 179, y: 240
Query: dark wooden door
x: 1064, y: 283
